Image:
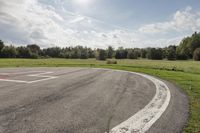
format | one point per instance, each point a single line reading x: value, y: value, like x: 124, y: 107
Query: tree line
x: 189, y: 48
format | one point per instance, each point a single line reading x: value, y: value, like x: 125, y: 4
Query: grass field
x: 185, y: 74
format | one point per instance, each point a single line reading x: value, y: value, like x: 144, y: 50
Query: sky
x: 98, y: 23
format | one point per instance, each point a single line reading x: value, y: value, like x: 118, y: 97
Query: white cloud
x: 186, y: 20
x: 29, y: 21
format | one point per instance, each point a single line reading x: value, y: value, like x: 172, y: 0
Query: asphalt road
x: 80, y: 100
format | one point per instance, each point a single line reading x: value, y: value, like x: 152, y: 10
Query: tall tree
x: 194, y: 42
x: 183, y: 50
x: 110, y: 52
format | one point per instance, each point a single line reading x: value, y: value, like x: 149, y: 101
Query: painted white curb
x: 146, y: 117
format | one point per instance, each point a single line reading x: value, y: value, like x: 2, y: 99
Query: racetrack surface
x: 80, y: 100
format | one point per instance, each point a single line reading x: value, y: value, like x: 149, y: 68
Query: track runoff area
x: 83, y: 100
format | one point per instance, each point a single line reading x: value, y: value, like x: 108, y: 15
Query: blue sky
x: 98, y: 23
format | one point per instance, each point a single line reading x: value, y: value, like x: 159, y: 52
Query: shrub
x: 111, y: 62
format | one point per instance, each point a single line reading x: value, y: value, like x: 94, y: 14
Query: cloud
x: 30, y: 21
x: 186, y: 20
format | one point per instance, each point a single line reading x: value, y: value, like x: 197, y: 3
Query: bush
x: 111, y: 62
x: 196, y: 55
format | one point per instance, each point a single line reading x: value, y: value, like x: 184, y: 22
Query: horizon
x: 94, y: 48
x: 98, y: 24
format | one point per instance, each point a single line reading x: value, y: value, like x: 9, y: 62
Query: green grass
x: 185, y: 74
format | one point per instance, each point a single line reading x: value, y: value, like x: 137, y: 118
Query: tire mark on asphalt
x: 121, y: 95
x: 146, y: 117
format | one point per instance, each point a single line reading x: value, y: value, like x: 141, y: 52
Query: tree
x: 137, y: 52
x: 34, y: 51
x: 1, y: 45
x: 101, y: 54
x: 23, y: 52
x: 182, y: 53
x: 91, y: 53
x: 155, y: 53
x: 74, y: 54
x: 84, y: 54
x: 53, y: 52
x: 132, y: 54
x: 143, y: 53
x: 9, y: 52
x: 34, y: 48
x: 188, y: 46
x: 171, y: 53
x: 110, y: 52
x: 121, y: 53
x: 183, y: 50
x: 194, y: 43
x: 196, y: 55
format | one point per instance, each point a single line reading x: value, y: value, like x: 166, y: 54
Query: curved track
x: 80, y: 100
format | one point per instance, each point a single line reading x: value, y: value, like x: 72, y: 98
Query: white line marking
x: 21, y: 72
x: 17, y: 81
x: 145, y: 118
x: 4, y: 73
x: 42, y: 74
